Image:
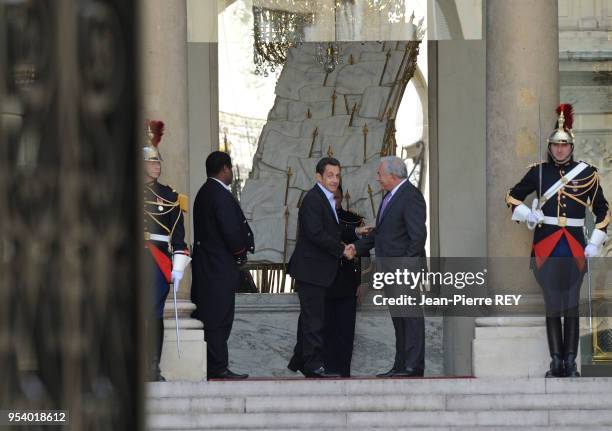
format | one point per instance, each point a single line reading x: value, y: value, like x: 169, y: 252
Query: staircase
x: 430, y: 404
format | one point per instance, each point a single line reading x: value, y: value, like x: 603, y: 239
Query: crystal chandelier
x: 395, y: 8
x: 328, y: 55
x: 275, y: 31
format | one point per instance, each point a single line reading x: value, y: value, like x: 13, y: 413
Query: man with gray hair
x: 400, y: 233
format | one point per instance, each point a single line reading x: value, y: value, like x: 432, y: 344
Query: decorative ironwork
x: 69, y: 296
x: 275, y: 31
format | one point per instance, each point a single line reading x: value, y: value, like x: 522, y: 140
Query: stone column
x: 522, y: 72
x: 164, y: 73
x: 164, y: 88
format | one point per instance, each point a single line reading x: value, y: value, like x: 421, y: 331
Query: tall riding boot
x: 571, y: 329
x: 157, y: 351
x: 555, y: 346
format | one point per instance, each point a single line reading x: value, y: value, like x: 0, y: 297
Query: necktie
x: 384, y: 204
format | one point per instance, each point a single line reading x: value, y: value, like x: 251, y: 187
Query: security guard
x: 222, y: 239
x: 565, y: 189
x: 164, y: 234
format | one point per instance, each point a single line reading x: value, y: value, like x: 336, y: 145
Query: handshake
x: 349, y: 251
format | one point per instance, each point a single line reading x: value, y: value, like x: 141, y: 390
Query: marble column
x: 164, y: 85
x: 164, y: 89
x: 522, y: 75
x: 165, y: 97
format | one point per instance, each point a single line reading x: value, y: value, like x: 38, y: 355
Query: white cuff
x: 521, y: 213
x: 598, y: 237
x: 180, y: 261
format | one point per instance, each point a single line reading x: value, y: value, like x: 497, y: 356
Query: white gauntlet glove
x: 532, y: 217
x: 179, y: 263
x: 593, y: 248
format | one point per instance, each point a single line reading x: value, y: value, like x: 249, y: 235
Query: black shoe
x: 320, y: 373
x: 404, y: 372
x: 296, y: 365
x: 227, y: 375
x: 154, y: 372
x: 556, y: 367
x: 160, y: 378
x: 571, y: 369
x: 411, y: 372
x: 389, y: 373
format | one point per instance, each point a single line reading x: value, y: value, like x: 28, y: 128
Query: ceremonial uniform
x: 164, y: 234
x: 565, y: 189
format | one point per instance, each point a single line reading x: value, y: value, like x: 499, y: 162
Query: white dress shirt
x: 330, y: 198
x: 225, y: 186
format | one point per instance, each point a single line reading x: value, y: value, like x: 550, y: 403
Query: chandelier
x: 395, y: 8
x: 275, y: 31
x: 328, y: 56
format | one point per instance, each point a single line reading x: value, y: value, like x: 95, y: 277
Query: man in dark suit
x: 315, y: 263
x: 400, y: 233
x: 222, y: 239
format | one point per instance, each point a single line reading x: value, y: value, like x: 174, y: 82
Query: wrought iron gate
x: 69, y: 205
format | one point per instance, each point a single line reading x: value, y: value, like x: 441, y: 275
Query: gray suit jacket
x: 402, y: 230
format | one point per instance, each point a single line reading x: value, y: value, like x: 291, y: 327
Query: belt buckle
x: 562, y: 221
x: 147, y: 236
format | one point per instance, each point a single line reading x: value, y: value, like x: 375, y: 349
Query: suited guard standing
x: 222, y: 239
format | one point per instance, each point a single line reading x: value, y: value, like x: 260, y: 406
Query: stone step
x: 380, y: 403
x: 305, y: 387
x: 470, y: 428
x: 386, y: 420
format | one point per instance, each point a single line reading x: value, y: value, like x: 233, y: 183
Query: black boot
x: 556, y: 367
x: 571, y: 329
x: 154, y: 372
x: 555, y: 346
x: 571, y: 369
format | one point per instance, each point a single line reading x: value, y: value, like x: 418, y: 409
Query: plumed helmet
x: 155, y: 130
x: 563, y: 129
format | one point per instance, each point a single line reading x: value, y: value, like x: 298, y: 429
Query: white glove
x: 177, y: 276
x: 180, y: 262
x: 593, y: 248
x: 591, y: 251
x: 532, y: 217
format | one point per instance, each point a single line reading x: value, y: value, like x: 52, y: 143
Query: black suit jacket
x: 402, y: 230
x: 221, y: 235
x: 319, y: 247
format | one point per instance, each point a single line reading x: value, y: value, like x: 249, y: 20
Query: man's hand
x: 176, y: 278
x: 590, y: 251
x: 534, y: 218
x: 363, y: 230
x: 241, y: 260
x: 349, y: 251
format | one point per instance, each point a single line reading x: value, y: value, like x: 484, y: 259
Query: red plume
x: 568, y: 114
x: 157, y: 127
